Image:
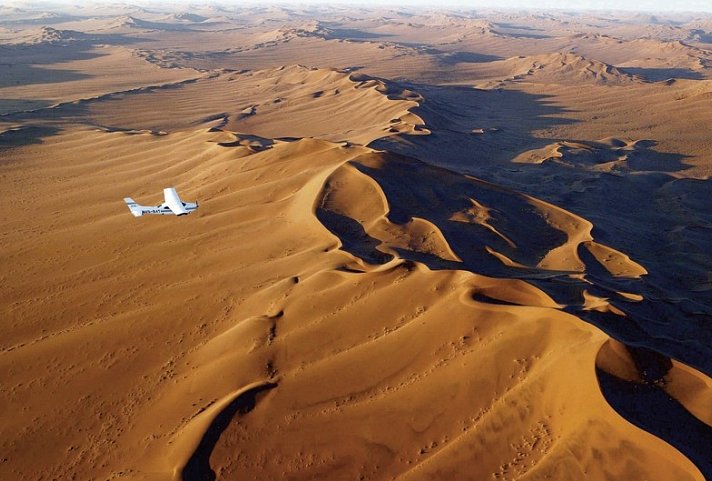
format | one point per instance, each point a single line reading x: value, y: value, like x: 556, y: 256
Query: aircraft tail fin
x: 133, y: 207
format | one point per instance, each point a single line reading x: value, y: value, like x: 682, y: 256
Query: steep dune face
x: 430, y: 205
x: 685, y: 384
x: 338, y: 210
x: 523, y: 422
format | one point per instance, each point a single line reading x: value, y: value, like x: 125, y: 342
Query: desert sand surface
x: 431, y: 244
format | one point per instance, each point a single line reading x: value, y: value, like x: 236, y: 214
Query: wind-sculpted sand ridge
x: 320, y: 328
x: 553, y: 68
x: 607, y: 155
x: 421, y: 212
x: 291, y: 101
x: 627, y: 185
x: 381, y: 384
x: 45, y: 35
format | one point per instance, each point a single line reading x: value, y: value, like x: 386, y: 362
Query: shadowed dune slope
x: 431, y: 205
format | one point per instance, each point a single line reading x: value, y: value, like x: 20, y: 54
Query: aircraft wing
x: 173, y: 201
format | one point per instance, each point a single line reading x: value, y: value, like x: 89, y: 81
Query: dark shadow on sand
x: 467, y: 57
x: 661, y: 222
x: 25, y: 135
x: 198, y: 466
x: 354, y: 34
x: 661, y: 74
x: 30, y: 64
x: 652, y: 409
x: 10, y: 106
x: 353, y: 237
x: 452, y: 113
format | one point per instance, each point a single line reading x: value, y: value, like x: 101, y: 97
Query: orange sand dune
x: 310, y: 347
x: 555, y: 68
x: 291, y: 101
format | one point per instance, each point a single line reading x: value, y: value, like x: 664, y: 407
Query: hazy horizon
x: 642, y: 6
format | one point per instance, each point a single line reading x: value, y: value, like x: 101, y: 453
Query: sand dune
x: 562, y: 233
x: 387, y: 278
x: 291, y: 101
x: 598, y: 114
x: 687, y: 385
x: 553, y: 68
x: 44, y: 35
x: 563, y: 65
x: 181, y: 22
x: 605, y: 155
x: 272, y: 315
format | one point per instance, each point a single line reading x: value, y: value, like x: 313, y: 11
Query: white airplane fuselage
x: 172, y: 205
x: 164, y: 209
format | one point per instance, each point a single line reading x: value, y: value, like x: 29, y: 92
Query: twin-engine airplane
x: 172, y: 205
